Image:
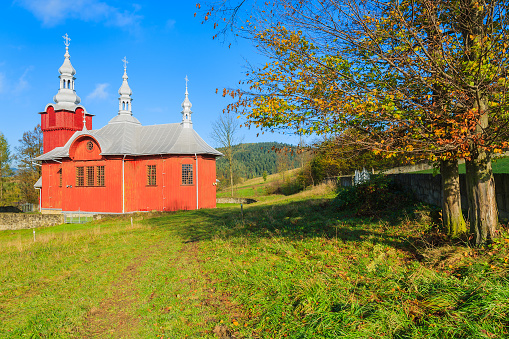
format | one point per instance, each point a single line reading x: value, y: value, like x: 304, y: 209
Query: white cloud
x: 56, y: 12
x: 22, y: 83
x: 170, y: 23
x: 14, y: 87
x: 99, y: 92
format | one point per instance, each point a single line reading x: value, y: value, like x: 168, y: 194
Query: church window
x: 80, y: 176
x: 100, y: 175
x: 59, y: 178
x: 68, y: 83
x: 90, y: 145
x: 151, y: 175
x: 90, y: 176
x: 187, y: 174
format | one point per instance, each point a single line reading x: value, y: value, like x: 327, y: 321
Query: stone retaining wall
x: 428, y: 188
x: 18, y: 221
x: 234, y: 201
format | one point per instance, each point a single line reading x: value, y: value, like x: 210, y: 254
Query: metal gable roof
x: 127, y: 138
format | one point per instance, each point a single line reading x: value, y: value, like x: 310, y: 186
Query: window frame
x: 100, y: 181
x: 152, y: 175
x: 187, y: 175
x: 80, y: 177
x: 59, y: 172
x: 90, y: 176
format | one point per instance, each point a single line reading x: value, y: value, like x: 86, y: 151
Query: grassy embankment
x: 499, y: 165
x: 292, y: 267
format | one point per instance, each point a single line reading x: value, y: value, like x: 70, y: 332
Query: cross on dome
x: 67, y: 39
x: 124, y: 60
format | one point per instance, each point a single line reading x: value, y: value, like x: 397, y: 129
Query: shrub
x: 377, y: 196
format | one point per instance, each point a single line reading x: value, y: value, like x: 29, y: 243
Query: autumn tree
x: 225, y: 132
x: 5, y: 168
x: 422, y: 78
x: 30, y: 147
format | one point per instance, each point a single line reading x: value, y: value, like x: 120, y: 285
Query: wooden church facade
x: 122, y: 167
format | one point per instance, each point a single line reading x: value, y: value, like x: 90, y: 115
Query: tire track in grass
x: 114, y: 317
x: 188, y: 303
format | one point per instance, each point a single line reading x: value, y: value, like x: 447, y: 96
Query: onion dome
x: 125, y: 113
x: 66, y: 98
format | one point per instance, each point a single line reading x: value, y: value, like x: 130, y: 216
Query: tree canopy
x: 423, y: 78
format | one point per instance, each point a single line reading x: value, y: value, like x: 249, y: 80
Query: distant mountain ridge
x: 254, y: 158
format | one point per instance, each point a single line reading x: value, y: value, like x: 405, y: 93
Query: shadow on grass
x: 295, y: 220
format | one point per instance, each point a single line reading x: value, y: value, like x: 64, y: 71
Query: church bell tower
x: 65, y: 116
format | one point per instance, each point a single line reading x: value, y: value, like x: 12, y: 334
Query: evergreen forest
x: 252, y: 159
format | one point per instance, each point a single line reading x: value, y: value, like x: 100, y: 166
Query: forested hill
x: 253, y: 159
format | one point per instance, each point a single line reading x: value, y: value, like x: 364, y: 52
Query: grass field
x: 499, y: 165
x: 288, y: 267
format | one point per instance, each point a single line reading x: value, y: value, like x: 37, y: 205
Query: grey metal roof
x: 129, y: 138
x: 38, y: 183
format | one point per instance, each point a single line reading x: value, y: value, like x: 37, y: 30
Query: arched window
x: 68, y: 83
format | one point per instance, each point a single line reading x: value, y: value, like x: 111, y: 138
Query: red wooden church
x: 122, y: 167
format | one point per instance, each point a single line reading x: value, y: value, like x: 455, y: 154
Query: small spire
x: 66, y: 96
x: 84, y: 121
x: 186, y: 109
x: 125, y: 93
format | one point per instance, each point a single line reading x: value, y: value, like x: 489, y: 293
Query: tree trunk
x: 452, y: 217
x: 231, y: 175
x: 481, y: 197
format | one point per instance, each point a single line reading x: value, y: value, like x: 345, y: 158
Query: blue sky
x: 162, y: 40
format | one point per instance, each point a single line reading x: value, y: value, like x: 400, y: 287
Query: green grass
x: 289, y: 267
x: 499, y: 165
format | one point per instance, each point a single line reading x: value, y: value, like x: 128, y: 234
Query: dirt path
x: 213, y: 303
x: 110, y: 319
x: 113, y: 317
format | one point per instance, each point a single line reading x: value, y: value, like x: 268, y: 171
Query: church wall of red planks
x: 125, y: 187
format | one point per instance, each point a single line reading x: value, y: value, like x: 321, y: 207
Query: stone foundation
x: 18, y: 221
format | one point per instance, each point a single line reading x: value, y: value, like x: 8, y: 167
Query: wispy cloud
x: 99, y: 92
x: 56, y: 12
x: 22, y: 83
x: 170, y: 23
x: 11, y: 86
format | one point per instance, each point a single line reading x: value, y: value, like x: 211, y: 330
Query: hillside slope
x: 254, y: 158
